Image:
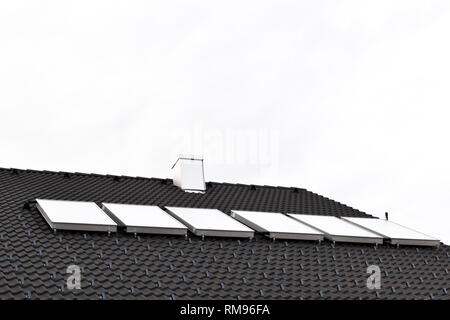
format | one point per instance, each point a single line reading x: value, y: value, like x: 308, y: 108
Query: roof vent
x: 188, y: 173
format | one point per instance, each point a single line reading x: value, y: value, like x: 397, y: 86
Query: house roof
x: 34, y: 259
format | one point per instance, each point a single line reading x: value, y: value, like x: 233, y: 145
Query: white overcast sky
x: 349, y: 99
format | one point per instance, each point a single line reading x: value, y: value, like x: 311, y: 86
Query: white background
x: 348, y: 99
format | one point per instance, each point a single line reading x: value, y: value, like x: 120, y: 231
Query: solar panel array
x: 88, y: 216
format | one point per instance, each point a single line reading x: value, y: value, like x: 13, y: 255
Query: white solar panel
x: 339, y: 230
x: 210, y: 222
x: 277, y: 225
x: 75, y: 215
x: 396, y: 232
x: 144, y: 219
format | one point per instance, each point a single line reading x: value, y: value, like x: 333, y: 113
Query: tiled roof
x: 33, y: 259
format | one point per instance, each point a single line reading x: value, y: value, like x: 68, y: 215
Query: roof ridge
x: 107, y: 175
x: 253, y: 187
x: 93, y: 174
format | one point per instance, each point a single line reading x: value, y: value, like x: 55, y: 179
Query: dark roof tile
x: 33, y: 259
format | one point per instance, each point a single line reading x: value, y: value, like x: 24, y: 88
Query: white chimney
x: 188, y: 173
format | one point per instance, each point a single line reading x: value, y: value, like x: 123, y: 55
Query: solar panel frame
x: 161, y: 222
x: 359, y: 235
x: 185, y: 216
x: 251, y: 219
x: 376, y: 225
x: 51, y: 211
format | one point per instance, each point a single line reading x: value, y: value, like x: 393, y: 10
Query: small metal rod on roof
x: 386, y: 215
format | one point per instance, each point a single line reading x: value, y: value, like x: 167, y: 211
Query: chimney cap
x: 187, y: 157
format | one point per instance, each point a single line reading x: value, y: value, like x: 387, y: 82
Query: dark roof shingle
x: 33, y: 259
